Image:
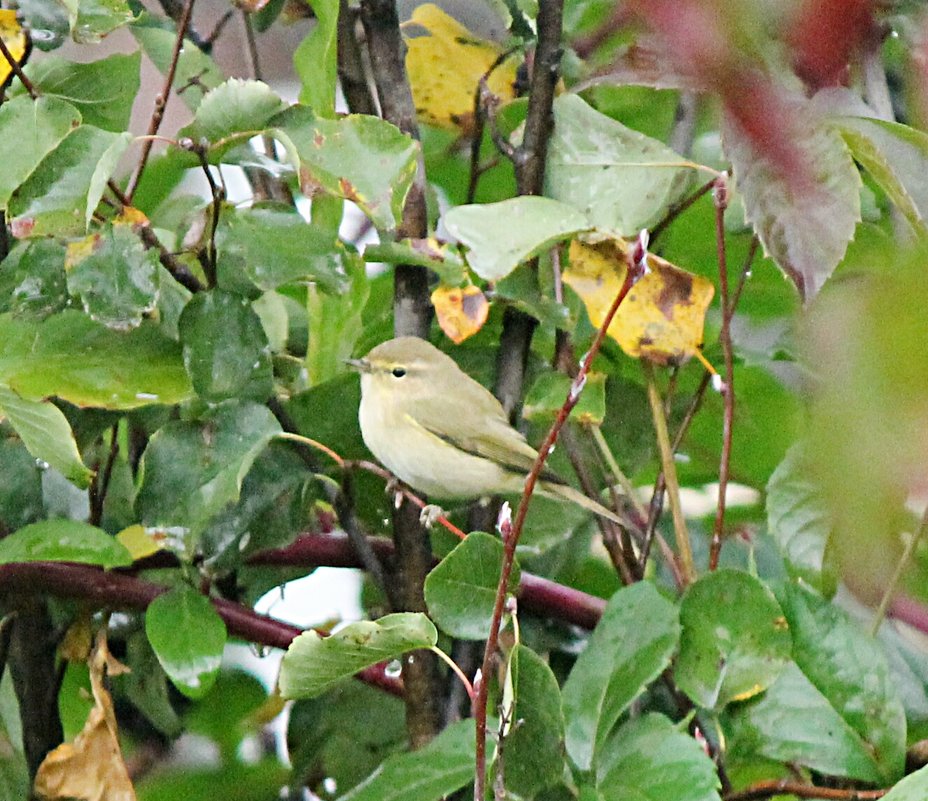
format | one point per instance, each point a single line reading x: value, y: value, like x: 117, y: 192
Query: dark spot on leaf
x: 347, y: 189
x: 309, y: 186
x: 473, y: 306
x: 676, y: 291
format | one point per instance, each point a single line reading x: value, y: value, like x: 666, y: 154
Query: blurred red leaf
x: 825, y: 35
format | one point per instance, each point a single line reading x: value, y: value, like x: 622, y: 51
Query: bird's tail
x: 568, y: 493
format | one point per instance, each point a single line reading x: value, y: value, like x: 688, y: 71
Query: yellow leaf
x: 446, y: 64
x: 130, y: 216
x: 17, y: 42
x: 80, y: 249
x: 91, y: 768
x: 461, y: 312
x: 662, y: 317
x: 140, y: 542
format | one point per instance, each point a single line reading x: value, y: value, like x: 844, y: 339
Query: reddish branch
x: 786, y: 787
x: 118, y: 590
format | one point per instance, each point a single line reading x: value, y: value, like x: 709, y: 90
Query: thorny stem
x: 509, y: 546
x: 161, y: 100
x: 720, y: 197
x: 893, y: 583
x: 670, y: 477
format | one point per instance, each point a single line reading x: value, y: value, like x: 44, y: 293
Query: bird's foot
x: 430, y: 515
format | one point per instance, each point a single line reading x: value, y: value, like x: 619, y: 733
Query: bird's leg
x: 430, y: 514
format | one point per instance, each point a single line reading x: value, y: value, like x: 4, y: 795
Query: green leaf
x: 32, y: 279
x: 629, y: 648
x: 226, y: 351
x: 547, y: 395
x: 275, y: 246
x: 146, y: 685
x: 894, y: 155
x: 534, y: 750
x: 358, y: 158
x: 851, y: 671
x: 912, y: 788
x: 21, y: 500
x: 335, y: 323
x: 798, y: 520
x: 196, y: 72
x: 440, y: 259
x: 316, y: 59
x: 649, y: 758
x: 432, y: 773
x: 91, y: 20
x: 192, y: 470
x: 87, y: 364
x: 118, y: 281
x: 45, y: 431
x: 620, y: 179
x: 29, y: 131
x: 61, y: 195
x: 188, y: 637
x: 102, y: 91
x: 793, y: 722
x: 14, y: 773
x: 63, y: 540
x: 461, y: 590
x: 236, y: 109
x: 314, y: 663
x: 500, y: 236
x: 804, y: 224
x: 735, y: 639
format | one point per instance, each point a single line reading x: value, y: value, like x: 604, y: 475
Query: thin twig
x: 18, y: 70
x: 894, y: 580
x: 720, y: 198
x: 678, y: 208
x: 161, y: 100
x: 670, y: 477
x: 455, y: 669
x: 511, y: 541
x: 769, y: 789
x: 101, y: 482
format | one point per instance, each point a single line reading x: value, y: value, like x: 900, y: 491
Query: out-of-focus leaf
x: 428, y: 253
x: 102, y: 91
x: 622, y: 657
x: 620, y: 179
x: 61, y: 195
x: 91, y: 20
x: 14, y: 774
x: 432, y: 773
x: 461, y: 589
x: 804, y: 223
x: 461, y: 311
x: 793, y: 722
x: 115, y: 276
x: 851, y: 671
x: 274, y: 246
x: 534, y: 748
x: 226, y: 351
x: 650, y: 758
x: 71, y: 356
x: 316, y: 59
x: 359, y: 158
x: 547, y: 395
x: 63, y: 541
x: 894, y: 155
x: 21, y: 499
x: 229, y: 712
x: 500, y: 236
x: 192, y: 470
x: 45, y: 431
x: 196, y: 72
x: 29, y: 131
x: 146, y: 685
x: 47, y: 22
x: 912, y: 788
x: 798, y: 520
x: 32, y: 278
x: 314, y: 663
x: 188, y: 636
x: 661, y: 318
x: 446, y: 64
x: 735, y: 639
x: 235, y: 110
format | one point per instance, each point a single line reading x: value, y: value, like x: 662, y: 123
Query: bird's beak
x: 361, y: 365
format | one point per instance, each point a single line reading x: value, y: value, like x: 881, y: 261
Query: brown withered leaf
x: 461, y: 311
x: 662, y: 317
x: 91, y: 768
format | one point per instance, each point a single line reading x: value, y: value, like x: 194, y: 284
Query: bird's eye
x: 398, y: 372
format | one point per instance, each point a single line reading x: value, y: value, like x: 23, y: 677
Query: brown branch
x: 770, y: 789
x: 720, y: 198
x: 351, y: 72
x: 678, y: 208
x: 511, y: 539
x: 112, y: 589
x: 157, y: 114
x: 17, y: 70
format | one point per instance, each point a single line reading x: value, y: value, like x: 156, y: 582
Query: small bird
x: 443, y: 433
